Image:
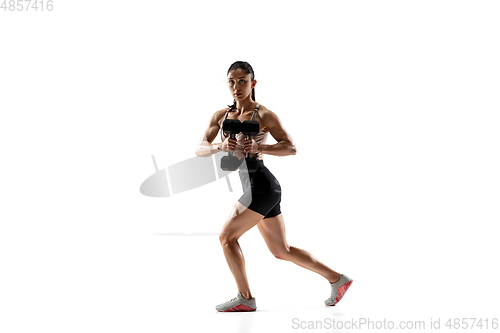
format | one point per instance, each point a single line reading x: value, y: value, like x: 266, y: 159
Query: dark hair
x: 245, y: 67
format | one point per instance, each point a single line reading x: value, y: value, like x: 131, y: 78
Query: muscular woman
x: 260, y: 203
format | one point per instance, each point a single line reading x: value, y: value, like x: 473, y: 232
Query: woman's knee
x: 227, y: 237
x: 282, y: 253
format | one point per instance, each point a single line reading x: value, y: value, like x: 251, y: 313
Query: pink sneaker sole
x: 239, y: 308
x: 342, y: 289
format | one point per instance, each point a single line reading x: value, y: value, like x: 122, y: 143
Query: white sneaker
x: 237, y: 304
x: 338, y: 290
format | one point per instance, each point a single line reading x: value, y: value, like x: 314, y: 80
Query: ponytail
x: 232, y: 107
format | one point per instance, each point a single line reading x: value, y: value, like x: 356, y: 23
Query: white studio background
x: 394, y: 109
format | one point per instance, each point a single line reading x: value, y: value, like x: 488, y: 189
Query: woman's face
x: 240, y: 84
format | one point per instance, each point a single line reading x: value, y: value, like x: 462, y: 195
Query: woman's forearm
x: 282, y: 148
x: 205, y: 148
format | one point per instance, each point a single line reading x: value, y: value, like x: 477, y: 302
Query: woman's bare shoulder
x: 217, y: 116
x: 266, y: 114
x: 266, y: 117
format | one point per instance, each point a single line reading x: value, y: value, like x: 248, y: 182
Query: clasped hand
x: 250, y: 146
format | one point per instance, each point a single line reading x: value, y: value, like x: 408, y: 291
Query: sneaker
x: 239, y: 304
x: 338, y: 290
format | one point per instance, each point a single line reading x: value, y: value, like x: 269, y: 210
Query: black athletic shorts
x: 261, y: 191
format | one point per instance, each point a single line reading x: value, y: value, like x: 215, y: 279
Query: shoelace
x: 234, y: 299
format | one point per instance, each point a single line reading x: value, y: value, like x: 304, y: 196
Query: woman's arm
x: 285, y: 145
x: 205, y: 147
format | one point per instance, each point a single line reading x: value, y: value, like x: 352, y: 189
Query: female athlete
x: 260, y: 203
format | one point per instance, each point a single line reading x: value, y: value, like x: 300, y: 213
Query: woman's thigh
x: 240, y: 220
x: 273, y: 231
